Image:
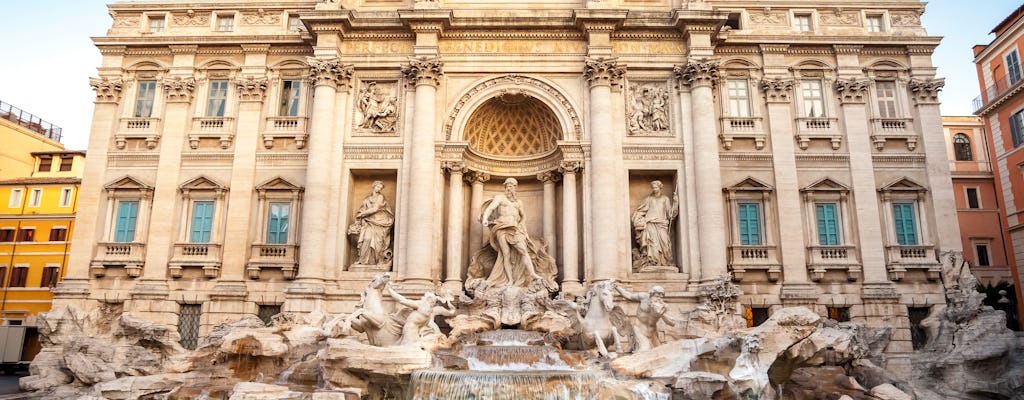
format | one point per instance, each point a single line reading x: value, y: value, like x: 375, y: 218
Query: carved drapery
x: 179, y: 89
x: 703, y: 72
x: 107, y: 90
x: 852, y: 91
x: 777, y: 90
x: 330, y: 72
x: 603, y: 71
x: 251, y: 88
x: 423, y: 71
x: 926, y: 91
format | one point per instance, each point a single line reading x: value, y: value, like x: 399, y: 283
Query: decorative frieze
x: 777, y: 90
x: 698, y: 73
x: 251, y: 88
x: 377, y: 109
x: 852, y: 91
x: 179, y: 89
x: 905, y: 18
x: 603, y: 71
x: 926, y: 91
x: 261, y: 17
x: 191, y: 18
x: 107, y: 90
x: 769, y: 17
x: 839, y: 17
x: 329, y: 71
x: 647, y: 111
x: 423, y: 70
x: 125, y: 21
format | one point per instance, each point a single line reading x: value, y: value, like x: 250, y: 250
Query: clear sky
x: 47, y: 62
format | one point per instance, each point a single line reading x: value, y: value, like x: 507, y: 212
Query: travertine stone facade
x: 802, y: 141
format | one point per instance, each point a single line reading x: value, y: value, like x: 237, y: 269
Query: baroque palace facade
x: 255, y: 157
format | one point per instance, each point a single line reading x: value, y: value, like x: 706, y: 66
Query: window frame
x: 976, y: 197
x: 731, y: 99
x: 202, y: 189
x: 1017, y: 128
x: 8, y: 234
x: 46, y: 161
x: 962, y: 147
x: 63, y: 233
x: 35, y: 197
x: 145, y: 98
x: 67, y: 197
x: 219, y: 19
x: 128, y: 189
x: 19, y: 272
x: 835, y: 237
x: 880, y: 17
x: 751, y: 190
x: 798, y: 15
x: 26, y: 234
x: 69, y: 162
x: 894, y: 106
x: 50, y: 276
x: 906, y: 232
x: 290, y: 99
x: 291, y: 26
x: 223, y: 94
x: 274, y: 236
x: 805, y: 101
x: 1013, y: 67
x: 201, y: 217
x: 16, y: 197
x: 151, y: 18
x: 977, y: 245
x: 278, y: 190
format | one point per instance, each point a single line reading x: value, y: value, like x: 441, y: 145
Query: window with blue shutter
x: 1017, y: 128
x: 124, y: 226
x: 750, y: 223
x: 828, y: 224
x: 202, y: 221
x: 1013, y: 67
x: 277, y: 223
x: 906, y: 224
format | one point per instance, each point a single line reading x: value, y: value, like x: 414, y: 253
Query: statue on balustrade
x: 652, y: 309
x: 371, y: 232
x: 652, y: 222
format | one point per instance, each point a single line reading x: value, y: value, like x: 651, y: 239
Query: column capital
x: 548, y: 176
x: 603, y: 71
x: 697, y: 73
x: 329, y: 72
x: 423, y: 70
x: 454, y: 167
x: 251, y: 88
x: 852, y: 91
x: 107, y: 90
x: 926, y: 91
x: 179, y: 90
x: 570, y: 167
x: 777, y: 90
x: 476, y: 176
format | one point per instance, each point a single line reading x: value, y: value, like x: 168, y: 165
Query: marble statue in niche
x: 371, y: 231
x: 378, y: 109
x: 648, y: 110
x: 652, y: 221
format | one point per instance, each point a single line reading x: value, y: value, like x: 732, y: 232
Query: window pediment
x: 903, y: 185
x: 826, y: 185
x: 750, y: 184
x: 202, y: 183
x: 278, y: 184
x: 127, y: 183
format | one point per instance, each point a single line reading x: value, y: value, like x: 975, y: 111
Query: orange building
x: 1001, y: 109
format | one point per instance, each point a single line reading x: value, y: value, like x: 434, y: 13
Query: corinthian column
x: 324, y: 75
x: 701, y: 76
x: 602, y: 73
x: 453, y: 265
x: 570, y: 236
x: 926, y: 108
x: 548, y: 179
x: 476, y: 200
x: 425, y: 73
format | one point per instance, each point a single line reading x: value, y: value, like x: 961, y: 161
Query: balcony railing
x: 285, y: 127
x: 743, y: 258
x: 29, y: 121
x: 808, y: 129
x: 220, y: 128
x: 147, y: 129
x: 282, y: 256
x: 131, y: 256
x: 884, y: 129
x: 742, y: 128
x: 823, y: 258
x: 994, y: 92
x: 204, y: 255
x: 903, y: 258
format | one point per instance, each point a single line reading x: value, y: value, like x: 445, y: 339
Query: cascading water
x: 510, y: 365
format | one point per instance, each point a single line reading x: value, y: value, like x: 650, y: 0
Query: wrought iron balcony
x: 29, y: 121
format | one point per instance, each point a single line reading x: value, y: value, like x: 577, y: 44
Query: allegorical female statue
x: 651, y: 222
x: 371, y: 232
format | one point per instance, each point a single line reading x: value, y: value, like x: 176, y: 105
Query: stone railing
x: 904, y: 258
x: 145, y: 129
x: 220, y: 128
x: 279, y: 256
x: 202, y: 255
x: 820, y: 259
x: 884, y: 129
x: 130, y: 255
x: 818, y: 128
x: 746, y: 258
x: 295, y: 128
x: 742, y: 128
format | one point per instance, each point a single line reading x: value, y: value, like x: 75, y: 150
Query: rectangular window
x: 294, y: 23
x: 3, y: 276
x: 802, y: 22
x: 202, y: 221
x: 66, y: 163
x: 124, y: 227
x: 50, y: 276
x: 66, y: 197
x: 277, y: 223
x: 1013, y: 67
x: 906, y: 223
x: 35, y: 197
x: 828, y: 224
x: 739, y: 98
x: 839, y: 314
x: 45, y: 163
x: 7, y: 235
x: 144, y: 99
x: 750, y: 223
x: 983, y: 256
x: 188, y: 325
x: 813, y: 98
x: 15, y: 200
x: 27, y: 235
x: 156, y: 24
x: 217, y: 99
x: 225, y: 23
x: 290, y: 98
x: 972, y: 198
x: 267, y: 312
x: 58, y: 234
x: 874, y: 23
x: 755, y: 316
x: 886, y: 92
x: 19, y: 275
x: 1017, y: 128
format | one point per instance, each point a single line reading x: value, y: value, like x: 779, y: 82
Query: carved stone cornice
x: 330, y: 72
x: 549, y: 176
x: 423, y: 70
x: 454, y: 167
x: 107, y: 90
x: 847, y: 48
x: 179, y: 90
x: 603, y: 71
x: 570, y: 167
x: 183, y: 48
x: 852, y: 91
x: 476, y: 177
x: 774, y: 48
x: 926, y: 91
x: 251, y: 88
x: 697, y: 73
x: 777, y: 90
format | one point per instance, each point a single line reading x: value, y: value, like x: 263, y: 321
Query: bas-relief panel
x: 647, y: 109
x: 377, y: 109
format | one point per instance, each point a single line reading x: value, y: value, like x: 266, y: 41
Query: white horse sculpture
x: 380, y: 327
x: 602, y: 320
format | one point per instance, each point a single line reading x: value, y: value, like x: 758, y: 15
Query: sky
x: 46, y: 66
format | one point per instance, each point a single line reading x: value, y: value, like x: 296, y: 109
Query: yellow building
x: 21, y: 134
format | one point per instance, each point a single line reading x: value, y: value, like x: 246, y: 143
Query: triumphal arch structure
x: 250, y: 158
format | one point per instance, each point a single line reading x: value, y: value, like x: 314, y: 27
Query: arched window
x: 962, y: 147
